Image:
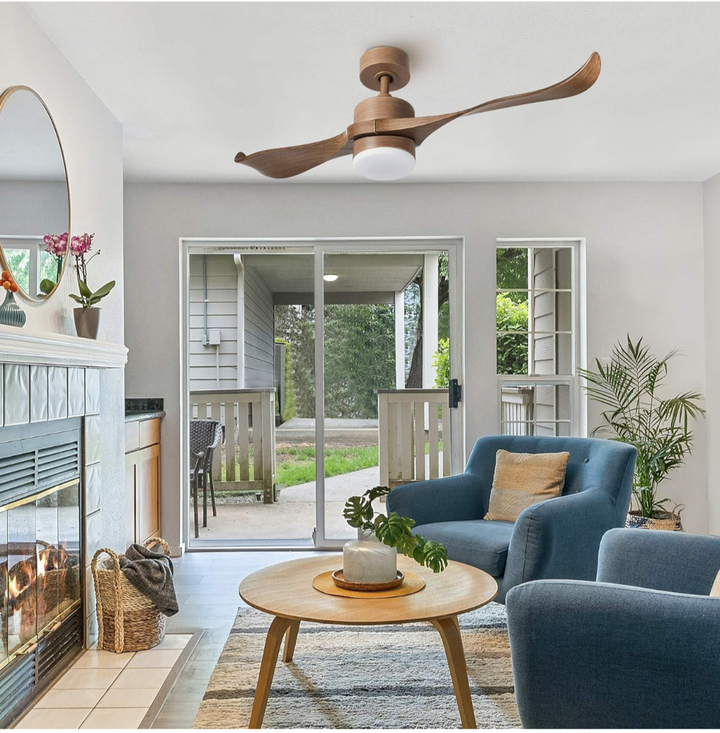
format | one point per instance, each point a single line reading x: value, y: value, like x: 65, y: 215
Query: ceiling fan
x: 385, y: 131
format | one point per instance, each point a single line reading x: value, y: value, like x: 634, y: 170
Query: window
x: 537, y: 337
x: 29, y: 263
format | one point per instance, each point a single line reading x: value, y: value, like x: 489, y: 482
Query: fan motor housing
x: 383, y: 107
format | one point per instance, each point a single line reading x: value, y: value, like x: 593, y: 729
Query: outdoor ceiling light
x: 384, y: 158
x: 330, y: 277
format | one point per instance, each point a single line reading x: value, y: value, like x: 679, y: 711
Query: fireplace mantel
x: 55, y: 349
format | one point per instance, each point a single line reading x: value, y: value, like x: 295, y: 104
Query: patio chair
x: 205, y: 436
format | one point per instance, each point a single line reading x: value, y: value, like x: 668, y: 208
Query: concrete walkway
x: 293, y: 516
x: 301, y: 431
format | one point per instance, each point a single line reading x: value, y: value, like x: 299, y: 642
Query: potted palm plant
x: 659, y: 427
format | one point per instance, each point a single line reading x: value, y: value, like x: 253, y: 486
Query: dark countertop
x: 143, y: 415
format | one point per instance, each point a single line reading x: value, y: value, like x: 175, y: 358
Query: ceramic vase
x: 367, y: 560
x: 87, y: 322
x: 10, y: 313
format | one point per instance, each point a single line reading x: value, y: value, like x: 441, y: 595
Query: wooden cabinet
x: 142, y: 479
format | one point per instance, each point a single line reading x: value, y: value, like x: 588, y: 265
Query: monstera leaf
x: 394, y: 530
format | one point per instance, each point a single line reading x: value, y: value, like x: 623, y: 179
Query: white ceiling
x: 194, y: 83
x: 363, y: 273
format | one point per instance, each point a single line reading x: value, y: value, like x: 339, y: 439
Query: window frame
x: 578, y: 335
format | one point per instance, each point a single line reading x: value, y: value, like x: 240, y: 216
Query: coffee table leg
x: 452, y: 641
x: 277, y: 629
x: 290, y: 638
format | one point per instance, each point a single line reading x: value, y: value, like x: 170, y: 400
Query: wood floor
x: 207, y: 589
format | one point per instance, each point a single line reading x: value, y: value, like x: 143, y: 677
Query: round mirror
x: 34, y: 195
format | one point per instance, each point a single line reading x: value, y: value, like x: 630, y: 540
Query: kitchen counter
x: 144, y: 408
x: 143, y: 415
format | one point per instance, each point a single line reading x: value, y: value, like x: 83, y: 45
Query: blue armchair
x: 556, y: 538
x: 640, y: 648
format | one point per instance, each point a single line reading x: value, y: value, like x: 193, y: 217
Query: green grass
x: 301, y: 469
x: 296, y: 465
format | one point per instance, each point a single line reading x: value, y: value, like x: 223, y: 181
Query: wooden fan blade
x: 288, y: 162
x: 419, y: 128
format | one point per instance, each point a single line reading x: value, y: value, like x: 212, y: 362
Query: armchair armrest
x: 672, y: 561
x: 449, y: 499
x: 559, y: 538
x: 608, y: 656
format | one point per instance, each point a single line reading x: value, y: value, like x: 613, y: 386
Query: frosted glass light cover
x: 384, y: 164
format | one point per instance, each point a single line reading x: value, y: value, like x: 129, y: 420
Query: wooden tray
x: 339, y: 580
x: 412, y: 583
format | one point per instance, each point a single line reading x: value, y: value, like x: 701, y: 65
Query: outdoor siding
x: 222, y: 315
x: 259, y: 331
x: 543, y: 315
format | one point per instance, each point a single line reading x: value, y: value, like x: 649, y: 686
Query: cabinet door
x: 130, y: 471
x: 147, y: 492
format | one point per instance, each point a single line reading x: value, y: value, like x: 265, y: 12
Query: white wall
x: 644, y: 265
x: 711, y: 210
x: 92, y: 141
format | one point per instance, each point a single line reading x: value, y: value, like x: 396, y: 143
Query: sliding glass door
x: 326, y: 365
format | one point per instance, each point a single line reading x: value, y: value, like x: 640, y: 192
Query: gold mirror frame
x: 27, y: 296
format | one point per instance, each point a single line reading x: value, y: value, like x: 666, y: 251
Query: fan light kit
x: 385, y: 131
x: 330, y: 278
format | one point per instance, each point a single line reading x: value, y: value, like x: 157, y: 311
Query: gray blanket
x: 152, y: 574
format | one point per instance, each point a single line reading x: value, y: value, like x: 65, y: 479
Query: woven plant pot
x: 127, y: 620
x: 662, y: 520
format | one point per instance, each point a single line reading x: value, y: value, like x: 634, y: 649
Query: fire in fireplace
x: 40, y: 562
x: 41, y: 614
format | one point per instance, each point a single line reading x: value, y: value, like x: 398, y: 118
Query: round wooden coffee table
x: 285, y: 591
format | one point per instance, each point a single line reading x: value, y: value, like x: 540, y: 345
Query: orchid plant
x: 55, y: 245
x: 79, y: 248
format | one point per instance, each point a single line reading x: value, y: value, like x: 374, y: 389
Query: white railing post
x: 231, y: 408
x: 402, y: 435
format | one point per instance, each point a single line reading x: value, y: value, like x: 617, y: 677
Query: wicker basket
x: 663, y: 520
x: 127, y: 620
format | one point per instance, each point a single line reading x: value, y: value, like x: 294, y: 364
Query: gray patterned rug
x: 370, y: 677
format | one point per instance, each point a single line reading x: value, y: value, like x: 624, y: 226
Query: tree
x: 359, y: 356
x: 414, y: 378
x: 295, y: 324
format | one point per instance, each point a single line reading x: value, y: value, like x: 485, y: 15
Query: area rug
x: 368, y: 677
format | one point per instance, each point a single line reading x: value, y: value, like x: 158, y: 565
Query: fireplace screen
x: 39, y: 565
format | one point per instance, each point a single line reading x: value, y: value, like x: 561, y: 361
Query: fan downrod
x: 384, y: 61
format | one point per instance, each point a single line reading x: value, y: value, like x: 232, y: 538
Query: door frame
x: 318, y: 246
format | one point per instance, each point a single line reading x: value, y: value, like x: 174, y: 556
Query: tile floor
x: 106, y: 690
x: 207, y: 588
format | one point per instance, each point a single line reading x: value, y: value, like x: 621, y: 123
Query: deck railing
x: 408, y: 421
x: 248, y: 419
x: 517, y: 406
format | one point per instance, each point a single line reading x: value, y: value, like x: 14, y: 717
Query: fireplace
x: 41, y: 628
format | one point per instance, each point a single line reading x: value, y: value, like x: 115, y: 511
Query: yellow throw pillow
x: 523, y: 479
x: 715, y: 590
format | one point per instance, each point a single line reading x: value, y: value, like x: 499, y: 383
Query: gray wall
x: 222, y: 316
x: 259, y: 331
x: 644, y: 265
x: 208, y: 368
x: 92, y: 141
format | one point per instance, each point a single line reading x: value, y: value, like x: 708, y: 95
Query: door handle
x: 454, y: 393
